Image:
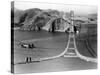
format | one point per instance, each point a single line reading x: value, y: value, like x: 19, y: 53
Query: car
x: 25, y: 45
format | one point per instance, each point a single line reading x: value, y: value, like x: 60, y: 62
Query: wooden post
x: 30, y: 59
x: 26, y: 59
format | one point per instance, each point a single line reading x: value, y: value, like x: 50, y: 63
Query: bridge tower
x: 71, y: 49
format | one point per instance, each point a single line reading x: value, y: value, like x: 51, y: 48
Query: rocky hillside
x: 32, y: 19
x: 36, y: 19
x: 16, y: 16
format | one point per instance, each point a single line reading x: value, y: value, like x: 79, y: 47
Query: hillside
x: 36, y: 19
x: 33, y: 17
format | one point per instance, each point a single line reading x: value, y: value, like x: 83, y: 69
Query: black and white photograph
x: 51, y: 37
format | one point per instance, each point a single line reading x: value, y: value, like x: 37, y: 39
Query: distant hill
x: 17, y: 15
x: 38, y: 18
x: 34, y: 18
x: 28, y: 17
x: 29, y: 14
x: 92, y: 16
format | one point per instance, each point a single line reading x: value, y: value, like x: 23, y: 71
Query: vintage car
x: 25, y: 45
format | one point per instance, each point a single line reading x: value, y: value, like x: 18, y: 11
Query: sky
x: 78, y: 9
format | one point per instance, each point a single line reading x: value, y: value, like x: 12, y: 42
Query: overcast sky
x: 78, y: 9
